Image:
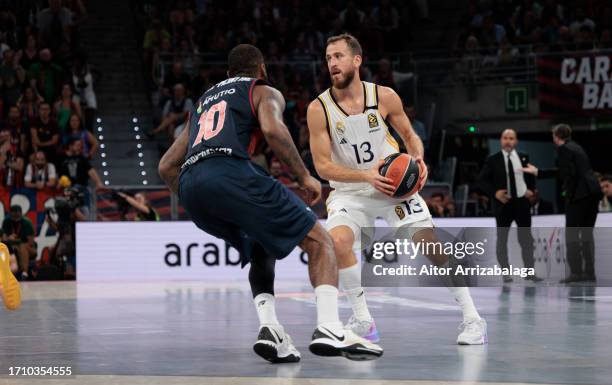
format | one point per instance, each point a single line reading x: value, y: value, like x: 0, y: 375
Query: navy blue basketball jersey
x: 223, y: 121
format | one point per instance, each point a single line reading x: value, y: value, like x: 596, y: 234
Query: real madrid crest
x: 340, y: 128
x: 372, y: 120
x: 400, y: 212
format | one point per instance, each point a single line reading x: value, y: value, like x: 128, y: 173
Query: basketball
x: 404, y: 171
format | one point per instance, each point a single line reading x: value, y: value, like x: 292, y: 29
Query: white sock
x: 266, y: 309
x: 327, y: 306
x: 464, y: 299
x: 350, y: 279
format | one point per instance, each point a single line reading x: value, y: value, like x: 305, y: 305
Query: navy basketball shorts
x: 238, y: 201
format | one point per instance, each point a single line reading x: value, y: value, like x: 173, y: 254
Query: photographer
x: 67, y: 211
x: 18, y: 235
x: 144, y: 211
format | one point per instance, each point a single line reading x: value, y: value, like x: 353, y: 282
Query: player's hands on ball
x: 380, y: 183
x: 502, y: 196
x: 423, y: 173
x: 312, y: 188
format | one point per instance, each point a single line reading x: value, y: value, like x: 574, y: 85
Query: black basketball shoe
x: 276, y: 346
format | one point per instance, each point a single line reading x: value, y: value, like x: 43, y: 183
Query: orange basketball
x: 404, y: 171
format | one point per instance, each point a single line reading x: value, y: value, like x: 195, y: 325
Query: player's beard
x: 343, y: 83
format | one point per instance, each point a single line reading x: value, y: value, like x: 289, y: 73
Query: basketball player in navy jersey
x: 232, y: 198
x: 349, y: 128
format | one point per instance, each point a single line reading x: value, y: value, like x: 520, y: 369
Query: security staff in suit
x: 503, y: 177
x: 582, y: 194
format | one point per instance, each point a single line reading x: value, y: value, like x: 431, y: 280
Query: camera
x: 66, y: 204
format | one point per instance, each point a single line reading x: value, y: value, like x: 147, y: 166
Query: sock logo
x: 261, y: 303
x: 360, y: 294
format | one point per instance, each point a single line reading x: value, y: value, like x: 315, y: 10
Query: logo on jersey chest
x: 400, y: 212
x: 340, y: 128
x: 372, y: 120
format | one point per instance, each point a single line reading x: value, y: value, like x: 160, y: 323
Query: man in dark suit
x: 582, y: 194
x: 503, y: 178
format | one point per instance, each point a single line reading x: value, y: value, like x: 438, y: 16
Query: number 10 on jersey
x: 207, y: 127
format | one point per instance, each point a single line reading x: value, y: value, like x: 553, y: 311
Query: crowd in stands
x: 47, y: 102
x: 500, y: 33
x: 186, y: 42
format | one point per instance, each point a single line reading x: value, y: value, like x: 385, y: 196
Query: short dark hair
x: 562, y: 131
x: 351, y: 42
x: 606, y: 178
x: 244, y: 59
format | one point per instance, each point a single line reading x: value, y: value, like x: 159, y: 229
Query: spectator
x: 29, y: 55
x: 18, y: 234
x: 162, y: 61
x: 281, y: 173
x: 523, y: 30
x: 12, y: 77
x: 45, y: 134
x: 388, y: 78
x: 351, y: 17
x: 78, y: 13
x: 387, y: 20
x: 77, y: 167
x: 585, y: 39
x: 538, y: 205
x: 471, y: 62
x: 28, y: 104
x: 580, y: 21
x: 605, y: 182
x: 11, y: 162
x: 54, y: 25
x: 144, y: 210
x: 507, y: 55
x: 83, y: 81
x: 154, y: 36
x: 8, y: 26
x: 18, y: 130
x: 65, y: 107
x: 46, y: 76
x: 174, y: 113
x: 76, y: 131
x: 177, y: 76
x: 40, y: 174
x: 492, y: 34
x: 440, y: 207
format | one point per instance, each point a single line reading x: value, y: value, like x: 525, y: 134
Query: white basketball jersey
x: 358, y: 141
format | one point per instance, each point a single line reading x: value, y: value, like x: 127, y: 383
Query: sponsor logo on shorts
x: 372, y: 120
x: 400, y: 212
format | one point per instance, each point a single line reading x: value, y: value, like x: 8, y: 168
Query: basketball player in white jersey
x: 349, y: 127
